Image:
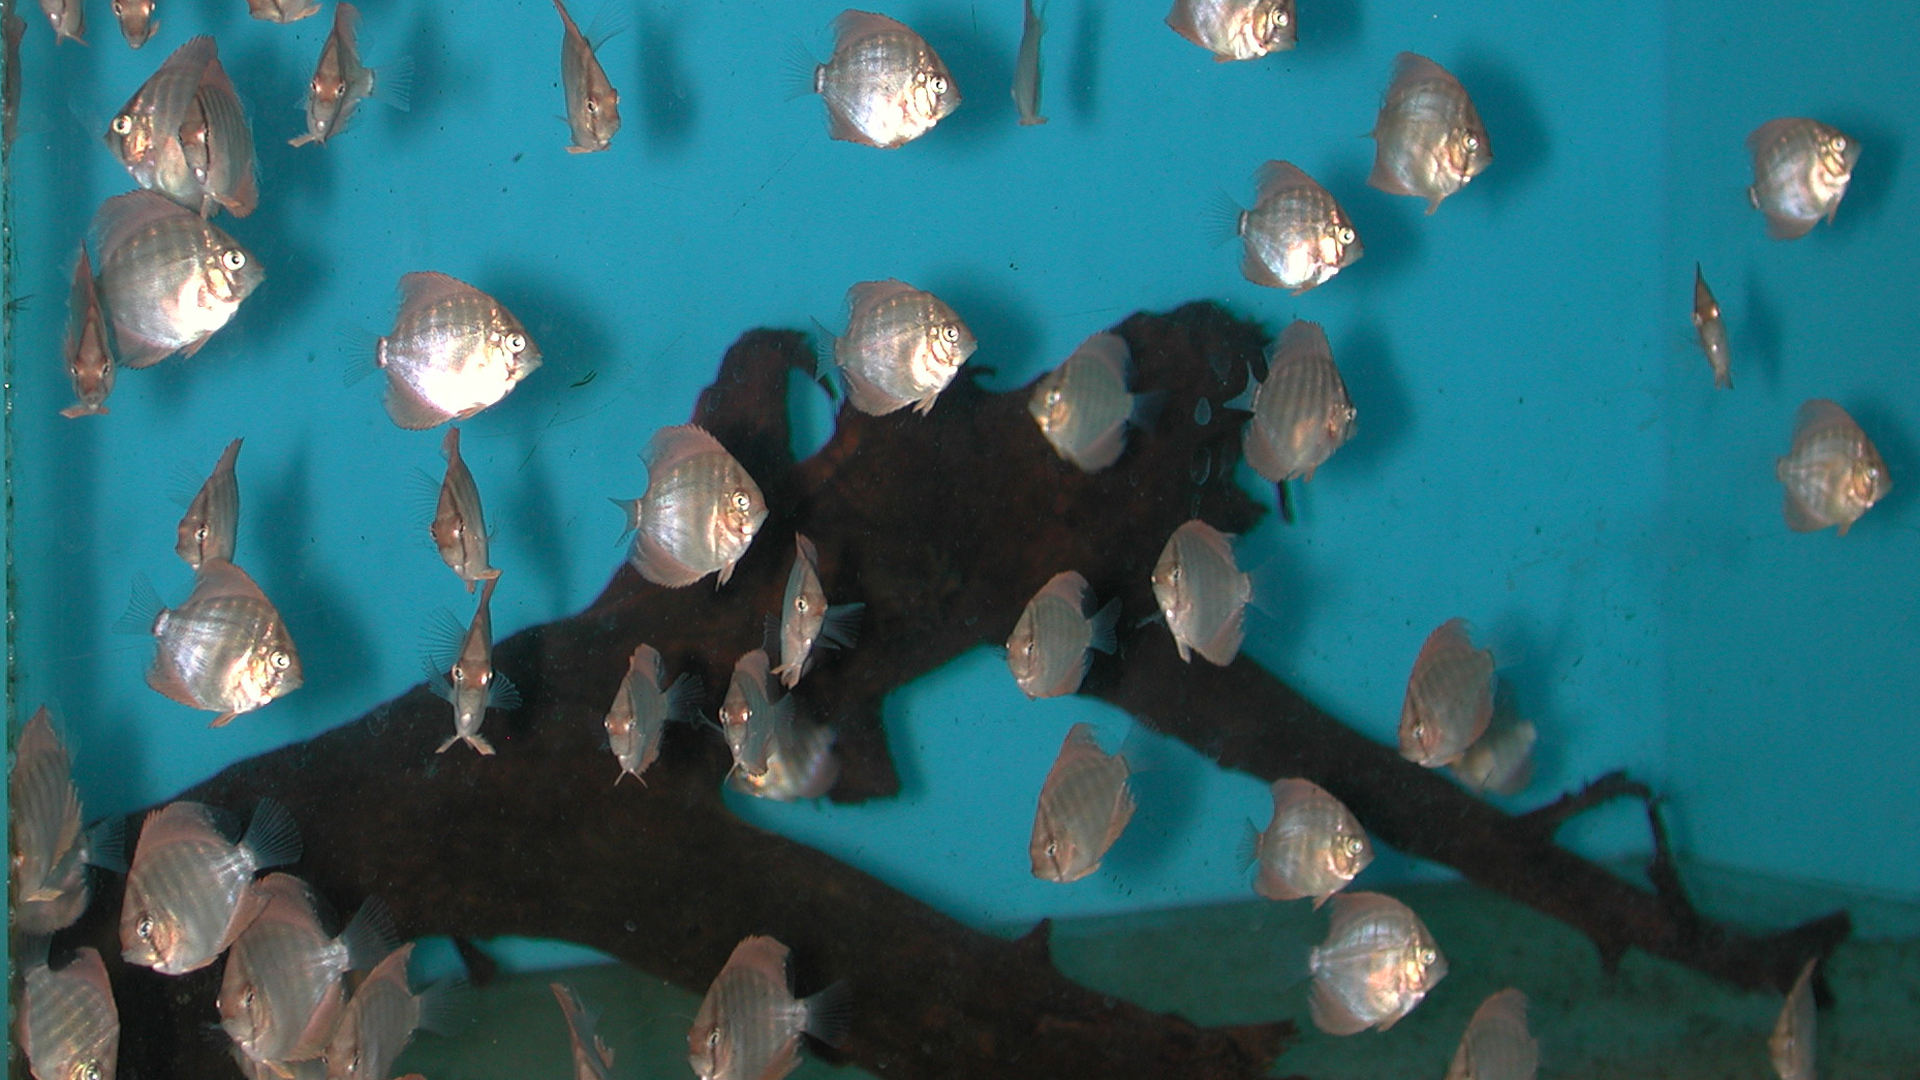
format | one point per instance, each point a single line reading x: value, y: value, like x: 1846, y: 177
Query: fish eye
x: 280, y: 660
x: 1473, y: 142
x: 516, y: 342
x: 800, y: 604
x: 741, y: 502
x: 592, y: 106
x: 91, y: 1070
x: 145, y: 928
x: 1353, y: 845
x: 938, y: 84
x: 1346, y: 235
x: 713, y: 1039
x: 233, y: 258
x: 122, y: 124
x: 951, y: 333
x: 246, y: 998
x: 1426, y: 957
x: 1839, y: 142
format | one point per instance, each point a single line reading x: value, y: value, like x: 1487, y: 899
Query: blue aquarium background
x: 1540, y: 446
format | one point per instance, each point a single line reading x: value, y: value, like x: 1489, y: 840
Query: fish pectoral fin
x: 222, y: 720
x: 408, y: 409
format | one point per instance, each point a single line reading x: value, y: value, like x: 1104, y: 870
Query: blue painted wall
x: 1540, y: 450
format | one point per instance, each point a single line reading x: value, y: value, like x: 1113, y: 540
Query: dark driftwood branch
x: 944, y: 525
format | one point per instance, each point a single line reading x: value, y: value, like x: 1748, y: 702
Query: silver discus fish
x: 459, y: 526
x: 1083, y: 406
x: 1377, y: 963
x: 800, y: 765
x: 50, y: 845
x: 225, y: 650
x: 341, y: 82
x: 1026, y: 67
x: 1496, y: 1044
x: 453, y: 351
x: 749, y: 1025
x: 69, y: 1024
x: 208, y: 529
x: 1791, y: 1046
x: 1712, y: 331
x: 1296, y: 236
x: 1235, y: 29
x: 1202, y: 593
x: 69, y: 19
x: 700, y: 513
x: 1801, y: 169
x: 88, y: 356
x: 145, y: 134
x: 282, y: 11
x: 884, y: 85
x: 902, y: 347
x: 750, y: 718
x: 1301, y: 413
x: 464, y: 675
x: 381, y: 1018
x: 643, y: 707
x: 1314, y: 846
x: 1449, y: 699
x: 1084, y: 806
x: 137, y: 23
x: 1428, y: 138
x: 592, y: 1057
x: 1049, y: 649
x: 169, y: 279
x: 593, y: 105
x: 190, y: 889
x: 807, y: 621
x: 1833, y: 474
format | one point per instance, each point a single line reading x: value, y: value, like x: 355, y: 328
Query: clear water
x: 1540, y: 447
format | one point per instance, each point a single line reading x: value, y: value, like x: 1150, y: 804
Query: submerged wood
x: 944, y: 525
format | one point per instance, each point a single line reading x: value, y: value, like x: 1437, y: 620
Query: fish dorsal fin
x: 1302, y: 342
x: 175, y: 82
x: 1353, y: 908
x: 178, y: 821
x: 1819, y: 414
x: 125, y: 215
x: 1080, y: 744
x: 87, y: 966
x: 424, y: 288
x: 673, y: 446
x: 1278, y: 176
x: 764, y: 957
x: 804, y: 549
x: 850, y: 26
x: 1070, y: 586
x: 346, y: 25
x: 1410, y: 68
x: 1109, y: 350
x: 219, y: 578
x: 1772, y: 131
x: 868, y: 295
x: 566, y: 21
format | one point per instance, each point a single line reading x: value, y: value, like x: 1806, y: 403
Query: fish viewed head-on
x: 136, y: 20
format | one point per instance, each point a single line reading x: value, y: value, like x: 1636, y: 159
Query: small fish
x: 1083, y: 406
x: 190, y: 890
x: 749, y: 1025
x: 593, y: 105
x: 1026, y: 69
x: 145, y: 134
x: 592, y: 1057
x: 806, y: 620
x: 1791, y: 1045
x: 700, y: 513
x: 643, y: 707
x: 1377, y: 963
x: 69, y: 1024
x: 884, y: 85
x: 749, y: 717
x: 1301, y: 413
x: 12, y: 29
x: 453, y: 351
x: 1713, y: 332
x: 1202, y: 593
x: 1428, y: 138
x: 69, y: 19
x: 136, y: 20
x: 282, y: 990
x: 1313, y: 847
x: 1501, y: 761
x: 1084, y: 806
x: 169, y: 280
x: 340, y: 82
x: 1235, y: 29
x: 225, y: 650
x: 902, y: 347
x: 1496, y: 1045
x: 800, y: 765
x: 281, y: 11
x: 217, y: 142
x: 1833, y: 474
x: 208, y: 528
x: 1449, y: 698
x: 382, y: 1017
x: 89, y: 358
x: 50, y: 847
x: 1801, y: 169
x: 459, y: 527
x: 468, y: 681
x: 1048, y: 651
x: 1296, y: 236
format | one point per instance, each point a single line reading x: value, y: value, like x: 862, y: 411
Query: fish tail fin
x: 393, y: 84
x: 1723, y: 380
x: 370, y: 935
x: 823, y: 362
x: 630, y: 508
x: 107, y: 844
x: 501, y: 693
x: 683, y: 698
x: 143, y: 609
x: 1222, y: 218
x: 1106, y: 622
x: 273, y: 836
x: 1247, y: 851
x: 363, y: 349
x: 830, y: 1013
x: 1146, y: 408
x: 799, y: 71
x: 841, y: 628
x: 30, y: 951
x: 446, y: 1006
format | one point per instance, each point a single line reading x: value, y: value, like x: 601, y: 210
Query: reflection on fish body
x: 884, y: 85
x: 1501, y: 761
x: 902, y: 347
x: 642, y: 708
x: 1791, y: 1046
x: 89, y: 358
x: 800, y: 765
x: 1084, y: 806
x: 137, y: 23
x: 1833, y: 474
x: 341, y: 82
x: 69, y: 1024
x: 700, y: 513
x: 453, y: 351
x: 459, y: 526
x: 592, y: 1057
x: 381, y: 1018
x: 593, y: 105
x: 1712, y: 331
x: 217, y: 143
x: 145, y: 134
x: 1301, y: 413
x: 1083, y: 406
x: 467, y: 680
x: 169, y: 279
x: 1235, y: 29
x: 281, y: 11
x: 1497, y: 1045
x: 50, y: 849
x: 806, y: 620
x: 1801, y: 169
x: 751, y: 721
x: 208, y: 528
x: 1296, y: 236
x: 1048, y: 652
x: 1377, y: 963
x: 1314, y: 846
x: 1428, y: 138
x: 749, y: 1025
x: 190, y: 890
x: 69, y: 19
x: 1202, y: 593
x: 1026, y: 68
x: 225, y: 650
x: 1449, y: 698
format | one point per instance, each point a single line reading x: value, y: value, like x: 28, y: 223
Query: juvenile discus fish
x: 190, y: 890
x: 1712, y: 331
x: 1296, y: 236
x: 341, y: 82
x: 217, y: 142
x: 225, y: 650
x: 1449, y: 698
x: 1428, y: 139
x: 459, y: 526
x: 1791, y: 1045
x: 884, y: 85
x: 169, y: 280
x: 1301, y: 413
x: 468, y: 681
x: 1501, y: 761
x: 453, y: 351
x: 1026, y: 67
x: 800, y: 765
x: 902, y: 347
x: 1235, y: 29
x: 1202, y: 593
x: 592, y: 1057
x: 281, y: 11
x: 50, y: 848
x: 381, y: 1018
x: 69, y: 19
x: 642, y: 709
x: 1833, y: 474
x: 700, y: 513
x: 1314, y: 846
x: 69, y: 1024
x: 807, y: 622
x: 1801, y: 169
x: 749, y: 718
x: 145, y: 134
x: 1048, y: 651
x: 1084, y: 806
x: 749, y: 1025
x: 207, y: 530
x: 593, y: 105
x: 1497, y: 1045
x: 88, y: 356
x: 137, y: 23
x: 1377, y: 963
x: 1083, y: 406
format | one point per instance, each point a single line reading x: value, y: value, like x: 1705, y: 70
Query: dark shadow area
x: 980, y: 56
x: 1756, y: 343
x: 436, y: 72
x: 1382, y: 412
x: 577, y: 351
x: 1515, y: 126
x: 1082, y: 67
x: 1874, y: 175
x: 1004, y: 324
x: 1392, y: 238
x: 1166, y: 786
x: 529, y: 518
x: 669, y: 106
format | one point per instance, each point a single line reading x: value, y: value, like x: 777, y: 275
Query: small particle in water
x: 1203, y: 412
x: 585, y: 379
x: 517, y: 157
x: 631, y: 927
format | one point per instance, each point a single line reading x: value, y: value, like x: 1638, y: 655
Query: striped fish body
x: 226, y: 649
x: 69, y: 1025
x: 168, y: 279
x: 453, y: 351
x: 1301, y: 413
x: 281, y: 993
x: 700, y: 513
x: 1084, y: 806
x: 1449, y: 700
x: 1202, y: 593
x: 189, y: 891
x: 902, y: 347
